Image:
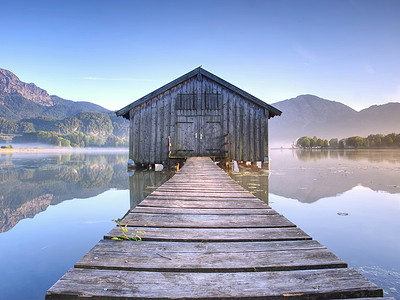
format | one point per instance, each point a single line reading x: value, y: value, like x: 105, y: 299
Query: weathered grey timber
x: 206, y: 221
x: 200, y: 114
x: 202, y: 247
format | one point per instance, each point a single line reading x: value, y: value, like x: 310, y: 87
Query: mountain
x: 65, y: 108
x: 25, y: 108
x: 10, y: 84
x: 19, y: 100
x: 384, y: 117
x: 309, y: 115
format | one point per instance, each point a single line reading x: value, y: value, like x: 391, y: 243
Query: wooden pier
x: 206, y: 237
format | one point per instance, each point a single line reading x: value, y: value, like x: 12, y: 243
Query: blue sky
x: 114, y: 52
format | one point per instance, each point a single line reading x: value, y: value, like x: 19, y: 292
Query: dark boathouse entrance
x: 199, y: 126
x: 198, y: 114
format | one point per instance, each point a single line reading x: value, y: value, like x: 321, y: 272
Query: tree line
x: 85, y: 122
x: 71, y: 140
x: 372, y: 141
x: 85, y: 129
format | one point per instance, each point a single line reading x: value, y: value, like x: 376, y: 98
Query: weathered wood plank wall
x: 152, y: 122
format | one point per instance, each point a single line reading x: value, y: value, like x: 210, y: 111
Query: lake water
x: 349, y: 201
x: 55, y: 207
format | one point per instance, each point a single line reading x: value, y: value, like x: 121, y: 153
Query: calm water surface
x: 347, y: 200
x: 56, y: 207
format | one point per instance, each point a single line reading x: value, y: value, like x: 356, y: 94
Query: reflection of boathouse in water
x: 143, y: 182
x: 198, y: 114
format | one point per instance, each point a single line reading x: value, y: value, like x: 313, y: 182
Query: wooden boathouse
x: 198, y: 114
x: 205, y: 237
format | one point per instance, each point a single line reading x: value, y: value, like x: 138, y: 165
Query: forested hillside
x: 96, y: 124
x: 31, y: 114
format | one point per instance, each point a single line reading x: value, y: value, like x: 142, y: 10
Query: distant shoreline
x: 61, y: 150
x: 329, y: 148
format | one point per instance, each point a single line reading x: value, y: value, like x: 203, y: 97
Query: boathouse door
x: 198, y: 126
x: 186, y: 137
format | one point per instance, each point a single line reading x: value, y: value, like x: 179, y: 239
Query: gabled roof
x: 199, y: 72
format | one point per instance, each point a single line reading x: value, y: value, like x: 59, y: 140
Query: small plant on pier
x: 123, y: 236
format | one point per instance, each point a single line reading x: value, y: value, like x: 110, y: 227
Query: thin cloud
x: 369, y: 69
x: 117, y: 79
x: 306, y: 54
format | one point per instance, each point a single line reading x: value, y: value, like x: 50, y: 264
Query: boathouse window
x: 212, y: 101
x: 186, y: 102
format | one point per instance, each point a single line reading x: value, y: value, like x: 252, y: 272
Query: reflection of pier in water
x: 253, y: 179
x: 143, y: 182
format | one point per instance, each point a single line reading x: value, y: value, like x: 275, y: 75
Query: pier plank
x: 215, y: 234
x: 192, y: 194
x: 205, y: 247
x: 205, y: 257
x: 174, y: 196
x: 205, y: 221
x: 182, y: 203
x: 204, y: 211
x: 204, y: 189
x: 303, y: 284
x: 201, y: 184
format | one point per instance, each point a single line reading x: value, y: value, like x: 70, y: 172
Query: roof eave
x: 124, y: 112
